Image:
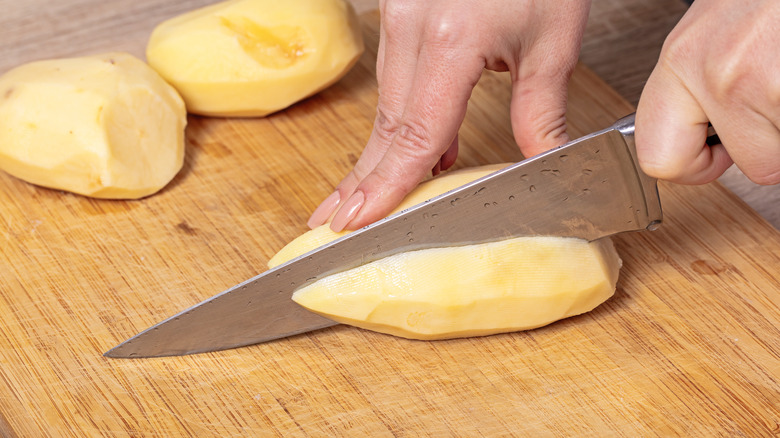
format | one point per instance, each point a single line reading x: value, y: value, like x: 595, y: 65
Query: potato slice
x: 471, y: 290
x: 255, y: 57
x: 104, y: 126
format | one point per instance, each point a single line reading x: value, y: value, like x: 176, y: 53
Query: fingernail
x: 324, y: 210
x: 348, y: 211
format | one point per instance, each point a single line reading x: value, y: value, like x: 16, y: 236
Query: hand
x: 431, y: 55
x: 721, y: 64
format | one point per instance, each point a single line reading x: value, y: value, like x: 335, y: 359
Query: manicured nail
x: 324, y: 210
x: 348, y: 211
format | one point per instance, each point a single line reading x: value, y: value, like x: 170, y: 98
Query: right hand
x: 720, y: 64
x: 431, y: 55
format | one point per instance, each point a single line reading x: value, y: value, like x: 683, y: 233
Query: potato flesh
x: 104, y: 126
x: 255, y: 57
x: 471, y: 290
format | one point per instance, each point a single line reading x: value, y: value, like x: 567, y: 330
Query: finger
x: 324, y: 212
x: 450, y: 155
x: 380, y: 53
x: 753, y: 141
x: 671, y: 130
x: 448, y: 159
x: 436, y: 168
x: 436, y: 107
x: 540, y: 90
x: 538, y: 112
x: 396, y: 65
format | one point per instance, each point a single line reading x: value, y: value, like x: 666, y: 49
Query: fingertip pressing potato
x: 104, y: 126
x: 471, y: 290
x: 255, y: 57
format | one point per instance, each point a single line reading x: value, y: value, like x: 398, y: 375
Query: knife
x: 589, y: 188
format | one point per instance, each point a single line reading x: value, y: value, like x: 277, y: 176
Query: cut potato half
x: 473, y: 290
x: 254, y: 57
x: 105, y: 126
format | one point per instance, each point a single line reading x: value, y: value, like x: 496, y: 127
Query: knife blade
x: 589, y: 188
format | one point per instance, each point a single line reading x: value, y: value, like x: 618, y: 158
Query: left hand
x: 431, y: 55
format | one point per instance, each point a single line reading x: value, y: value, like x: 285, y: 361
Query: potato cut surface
x: 255, y: 57
x: 105, y: 126
x: 471, y: 290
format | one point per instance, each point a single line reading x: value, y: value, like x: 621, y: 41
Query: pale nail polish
x: 324, y: 210
x: 348, y: 211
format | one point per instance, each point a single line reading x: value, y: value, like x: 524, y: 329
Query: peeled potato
x: 471, y: 290
x: 255, y: 57
x: 103, y: 126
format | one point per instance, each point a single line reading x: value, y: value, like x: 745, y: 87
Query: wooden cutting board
x: 688, y: 346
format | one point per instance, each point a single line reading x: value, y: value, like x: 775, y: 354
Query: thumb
x: 671, y: 131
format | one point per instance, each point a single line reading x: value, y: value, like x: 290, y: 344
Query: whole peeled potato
x: 243, y: 58
x: 105, y: 126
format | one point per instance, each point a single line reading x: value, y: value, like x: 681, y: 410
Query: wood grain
x: 688, y: 346
x: 623, y: 39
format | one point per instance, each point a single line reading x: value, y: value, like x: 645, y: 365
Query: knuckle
x: 413, y: 138
x: 544, y: 131
x: 445, y: 30
x: 675, y: 55
x: 410, y: 139
x: 726, y: 80
x: 385, y: 126
x: 716, y: 78
x: 438, y: 28
x: 675, y: 48
x: 396, y: 15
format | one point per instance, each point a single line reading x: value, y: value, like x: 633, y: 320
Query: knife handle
x: 712, y: 136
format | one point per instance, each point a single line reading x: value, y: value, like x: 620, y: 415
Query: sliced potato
x: 104, y: 126
x: 471, y: 290
x: 255, y: 57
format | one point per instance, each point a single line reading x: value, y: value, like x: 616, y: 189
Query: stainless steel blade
x: 590, y: 188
